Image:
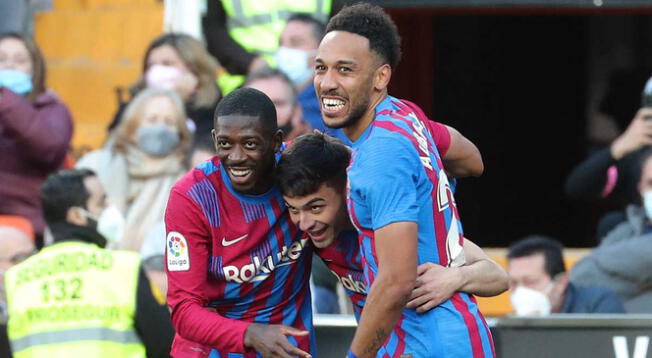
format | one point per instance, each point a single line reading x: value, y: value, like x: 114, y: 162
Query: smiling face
x: 246, y: 149
x: 347, y: 78
x: 322, y: 214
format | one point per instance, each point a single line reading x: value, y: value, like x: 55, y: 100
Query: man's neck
x: 354, y: 131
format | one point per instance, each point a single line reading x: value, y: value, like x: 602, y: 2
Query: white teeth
x: 239, y: 173
x: 333, y: 104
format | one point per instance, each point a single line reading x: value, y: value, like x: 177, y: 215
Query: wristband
x: 350, y: 354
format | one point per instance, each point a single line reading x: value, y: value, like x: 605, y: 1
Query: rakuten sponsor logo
x: 351, y: 283
x: 260, y: 269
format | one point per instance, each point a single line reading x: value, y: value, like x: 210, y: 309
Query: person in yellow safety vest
x: 244, y: 34
x: 75, y: 298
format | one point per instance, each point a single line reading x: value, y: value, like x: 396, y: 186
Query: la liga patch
x: 177, y: 252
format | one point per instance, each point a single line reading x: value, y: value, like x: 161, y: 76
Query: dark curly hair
x: 375, y: 25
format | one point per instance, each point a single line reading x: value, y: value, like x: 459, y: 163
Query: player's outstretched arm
x: 480, y: 276
x: 463, y: 158
x: 271, y: 340
x: 397, y: 261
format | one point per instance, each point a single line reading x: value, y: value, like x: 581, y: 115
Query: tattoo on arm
x: 381, y: 336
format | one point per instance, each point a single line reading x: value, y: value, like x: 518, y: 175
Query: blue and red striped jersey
x: 232, y: 259
x: 342, y: 257
x: 396, y: 175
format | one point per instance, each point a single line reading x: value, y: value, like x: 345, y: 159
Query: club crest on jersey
x: 260, y: 268
x: 177, y: 252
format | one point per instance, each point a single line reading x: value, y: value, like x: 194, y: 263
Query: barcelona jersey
x: 231, y: 260
x: 396, y: 175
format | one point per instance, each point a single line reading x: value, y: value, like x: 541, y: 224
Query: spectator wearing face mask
x: 623, y: 260
x: 279, y: 88
x: 296, y: 58
x: 181, y: 63
x: 35, y: 129
x: 539, y: 283
x: 140, y: 163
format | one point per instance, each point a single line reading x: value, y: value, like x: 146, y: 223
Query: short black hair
x: 248, y: 102
x: 318, y: 27
x: 63, y: 190
x: 550, y: 248
x: 268, y: 72
x: 375, y: 25
x: 312, y: 160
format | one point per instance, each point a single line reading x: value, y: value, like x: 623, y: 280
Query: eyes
x: 225, y: 144
x: 314, y: 209
x: 320, y: 68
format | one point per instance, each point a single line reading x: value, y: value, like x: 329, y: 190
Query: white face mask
x: 530, y: 302
x: 647, y: 203
x: 294, y: 63
x: 110, y: 223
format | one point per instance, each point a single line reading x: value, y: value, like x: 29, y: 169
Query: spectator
x: 614, y: 171
x: 539, y: 283
x: 35, y: 129
x: 86, y: 300
x: 180, y: 62
x: 296, y: 58
x: 623, y: 260
x: 17, y: 242
x: 279, y: 88
x: 253, y: 30
x: 144, y: 158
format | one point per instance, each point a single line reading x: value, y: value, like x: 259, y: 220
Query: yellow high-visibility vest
x: 74, y: 299
x: 257, y: 25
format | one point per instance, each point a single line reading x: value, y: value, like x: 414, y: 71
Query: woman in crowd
x: 141, y: 161
x: 35, y: 129
x: 180, y: 62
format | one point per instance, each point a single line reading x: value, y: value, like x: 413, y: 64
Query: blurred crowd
x: 165, y: 129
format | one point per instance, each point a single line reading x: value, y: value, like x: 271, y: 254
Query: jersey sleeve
x: 188, y: 238
x: 389, y: 185
x: 440, y: 135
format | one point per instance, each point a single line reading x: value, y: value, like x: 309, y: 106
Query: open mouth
x: 240, y: 175
x: 332, y: 106
x: 318, y: 235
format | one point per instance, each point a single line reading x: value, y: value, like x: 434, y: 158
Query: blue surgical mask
x: 157, y: 139
x: 17, y: 81
x: 294, y: 63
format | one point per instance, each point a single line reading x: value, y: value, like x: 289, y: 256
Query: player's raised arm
x: 480, y: 276
x: 462, y: 158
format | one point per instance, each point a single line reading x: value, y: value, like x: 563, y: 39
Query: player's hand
x: 435, y: 284
x: 271, y: 340
x: 637, y: 135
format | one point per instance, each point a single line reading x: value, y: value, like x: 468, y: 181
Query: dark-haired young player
x: 237, y: 267
x: 311, y: 174
x: 398, y: 196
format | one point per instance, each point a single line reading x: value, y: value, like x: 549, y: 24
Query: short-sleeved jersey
x: 396, y: 175
x: 238, y: 256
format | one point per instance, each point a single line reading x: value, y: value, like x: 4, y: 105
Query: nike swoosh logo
x: 225, y: 242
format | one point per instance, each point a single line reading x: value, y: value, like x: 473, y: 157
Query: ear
x: 214, y: 136
x: 76, y: 216
x: 382, y: 77
x: 278, y: 140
